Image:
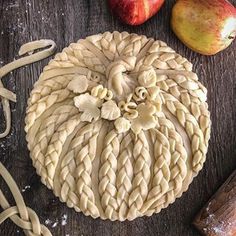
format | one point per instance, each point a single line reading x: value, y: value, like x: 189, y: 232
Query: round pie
x: 118, y: 125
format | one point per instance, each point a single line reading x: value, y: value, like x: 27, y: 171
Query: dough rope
x: 107, y: 174
x: 28, y: 48
x: 176, y: 172
x: 47, y: 130
x: 124, y: 175
x: 161, y: 171
x: 44, y: 103
x: 21, y: 215
x: 118, y: 125
x: 55, y: 147
x: 84, y: 168
x: 142, y: 174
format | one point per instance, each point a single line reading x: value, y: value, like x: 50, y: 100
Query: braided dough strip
x: 47, y: 130
x: 161, y: 172
x: 84, y: 161
x: 71, y: 164
x: 55, y: 147
x: 195, y: 134
x: 35, y: 111
x: 75, y: 189
x: 142, y: 174
x: 21, y: 215
x: 124, y: 175
x: 107, y: 175
x: 178, y: 169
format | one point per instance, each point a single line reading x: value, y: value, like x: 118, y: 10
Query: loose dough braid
x: 21, y: 215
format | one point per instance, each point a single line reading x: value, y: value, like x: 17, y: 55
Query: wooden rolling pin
x: 218, y: 217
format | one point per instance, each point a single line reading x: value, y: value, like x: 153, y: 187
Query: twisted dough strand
x: 44, y: 135
x: 101, y: 92
x: 124, y: 175
x: 37, y: 109
x: 192, y: 94
x: 161, y: 171
x: 195, y: 134
x: 21, y: 215
x: 48, y: 87
x: 55, y: 147
x: 177, y: 168
x: 142, y: 175
x: 107, y: 175
x: 84, y: 161
x: 69, y: 165
x: 76, y: 188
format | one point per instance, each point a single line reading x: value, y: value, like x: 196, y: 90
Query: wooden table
x: 65, y: 22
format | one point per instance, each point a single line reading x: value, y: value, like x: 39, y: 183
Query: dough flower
x: 145, y: 119
x: 89, y: 105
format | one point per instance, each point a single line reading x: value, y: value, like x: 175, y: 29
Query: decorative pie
x: 118, y: 125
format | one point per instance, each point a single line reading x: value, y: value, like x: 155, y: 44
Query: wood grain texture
x: 219, y: 215
x: 65, y: 22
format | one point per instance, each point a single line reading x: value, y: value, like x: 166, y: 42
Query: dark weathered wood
x: 218, y: 217
x: 67, y: 21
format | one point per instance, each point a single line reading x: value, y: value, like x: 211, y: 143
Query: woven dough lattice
x: 118, y: 125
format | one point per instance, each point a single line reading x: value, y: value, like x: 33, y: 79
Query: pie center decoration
x: 118, y: 125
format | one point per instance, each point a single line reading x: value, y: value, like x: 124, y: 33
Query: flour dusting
x: 58, y: 221
x: 48, y: 222
x: 25, y: 188
x: 218, y: 230
x: 64, y: 220
x: 55, y: 224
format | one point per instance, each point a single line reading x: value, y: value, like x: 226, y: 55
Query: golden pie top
x: 118, y: 125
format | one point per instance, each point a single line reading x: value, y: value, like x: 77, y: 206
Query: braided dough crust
x: 118, y: 125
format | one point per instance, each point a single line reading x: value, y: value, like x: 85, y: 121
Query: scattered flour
x: 48, y: 222
x: 218, y: 231
x: 64, y: 220
x: 208, y: 207
x: 54, y: 223
x: 20, y: 26
x: 25, y: 188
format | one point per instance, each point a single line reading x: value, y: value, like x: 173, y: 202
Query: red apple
x: 205, y: 26
x: 135, y: 12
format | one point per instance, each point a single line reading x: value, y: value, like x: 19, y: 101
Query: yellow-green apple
x: 135, y: 12
x: 205, y: 26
